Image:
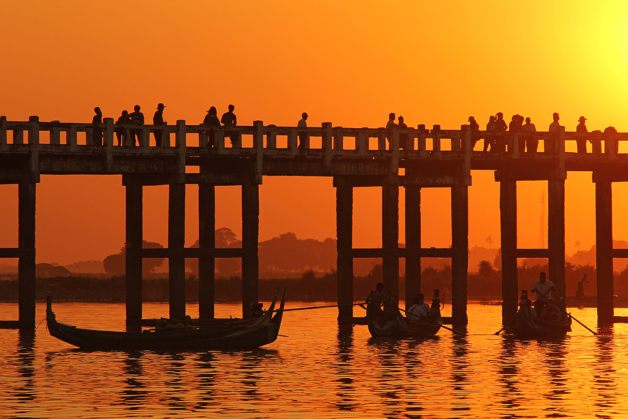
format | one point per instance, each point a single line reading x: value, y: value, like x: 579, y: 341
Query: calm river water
x: 310, y: 372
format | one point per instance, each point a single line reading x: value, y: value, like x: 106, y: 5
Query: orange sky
x: 349, y: 63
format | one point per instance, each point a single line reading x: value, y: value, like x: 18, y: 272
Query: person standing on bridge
x: 121, y: 133
x: 211, y: 120
x: 404, y: 139
x: 475, y: 131
x: 302, y: 133
x: 137, y: 118
x: 532, y: 143
x: 158, y: 119
x: 390, y: 125
x: 97, y: 127
x: 581, y: 135
x: 551, y: 146
x: 500, y: 133
x: 229, y: 120
x: 489, y: 140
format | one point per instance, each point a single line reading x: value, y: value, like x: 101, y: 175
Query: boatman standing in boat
x: 543, y: 289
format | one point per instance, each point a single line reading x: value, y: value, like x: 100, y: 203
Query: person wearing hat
x: 158, y: 119
x: 581, y: 135
x: 211, y: 120
x: 302, y: 134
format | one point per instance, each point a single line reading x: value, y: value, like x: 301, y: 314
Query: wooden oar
x: 505, y: 326
x: 313, y: 308
x: 433, y: 322
x: 581, y: 324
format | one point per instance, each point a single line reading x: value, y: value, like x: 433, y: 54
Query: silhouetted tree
x: 225, y: 239
x: 116, y: 264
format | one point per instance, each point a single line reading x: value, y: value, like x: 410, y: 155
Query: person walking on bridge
x: 489, y: 140
x: 211, y: 120
x: 97, y: 128
x: 158, y: 120
x: 137, y: 118
x: 302, y: 133
x: 581, y: 135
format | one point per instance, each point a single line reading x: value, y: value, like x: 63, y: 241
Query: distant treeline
x: 309, y: 287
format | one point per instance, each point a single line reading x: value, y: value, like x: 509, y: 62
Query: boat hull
x: 398, y: 327
x: 526, y: 327
x: 228, y: 337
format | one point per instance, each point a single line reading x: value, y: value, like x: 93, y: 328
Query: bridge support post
x: 413, y: 243
x: 556, y: 234
x: 508, y: 215
x: 344, y: 243
x: 26, y: 263
x: 250, y: 238
x: 134, y: 236
x: 206, y: 242
x: 604, y: 251
x: 460, y: 253
x: 176, y: 244
x: 390, y: 236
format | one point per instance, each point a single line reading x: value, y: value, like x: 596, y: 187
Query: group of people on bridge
x: 499, y: 136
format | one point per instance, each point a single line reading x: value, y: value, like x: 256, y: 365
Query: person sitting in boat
x: 419, y: 310
x: 543, y: 289
x: 551, y: 311
x: 527, y: 309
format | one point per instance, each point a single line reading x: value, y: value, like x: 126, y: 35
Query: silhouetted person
x: 500, y: 133
x: 610, y: 139
x: 489, y: 140
x: 543, y: 289
x: 475, y: 131
x: 97, y: 128
x: 583, y: 280
x: 229, y: 120
x: 158, y: 119
x: 302, y: 133
x: 390, y: 125
x: 211, y: 120
x: 530, y: 139
x: 137, y: 118
x: 419, y: 310
x: 404, y: 139
x: 581, y: 135
x: 551, y: 312
x: 554, y: 137
x: 514, y: 129
x: 121, y: 133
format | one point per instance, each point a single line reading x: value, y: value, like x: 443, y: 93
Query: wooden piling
x: 556, y: 233
x: 413, y: 243
x: 250, y: 239
x: 460, y: 252
x: 134, y: 235
x: 176, y: 243
x: 206, y: 242
x: 508, y: 215
x: 26, y: 263
x: 344, y: 243
x: 604, y: 251
x: 390, y: 236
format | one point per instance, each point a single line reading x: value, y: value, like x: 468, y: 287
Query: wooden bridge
x: 354, y: 157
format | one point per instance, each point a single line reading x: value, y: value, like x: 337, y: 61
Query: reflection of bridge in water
x: 353, y: 157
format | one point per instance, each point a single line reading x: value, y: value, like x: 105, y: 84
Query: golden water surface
x: 311, y: 372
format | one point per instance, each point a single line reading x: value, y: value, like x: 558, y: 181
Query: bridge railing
x: 272, y: 140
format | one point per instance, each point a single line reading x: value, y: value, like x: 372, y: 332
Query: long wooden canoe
x: 526, y: 326
x: 234, y: 336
